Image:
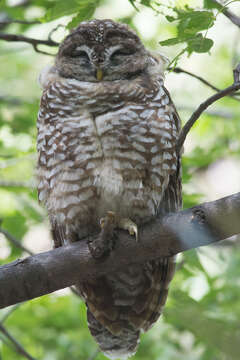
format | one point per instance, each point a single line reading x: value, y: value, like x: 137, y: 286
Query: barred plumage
x: 109, y: 145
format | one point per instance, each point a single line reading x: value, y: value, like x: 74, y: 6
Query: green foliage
x: 201, y: 319
x: 84, y: 8
x: 190, y: 24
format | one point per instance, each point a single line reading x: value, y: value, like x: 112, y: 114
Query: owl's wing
x: 162, y: 270
x: 172, y: 197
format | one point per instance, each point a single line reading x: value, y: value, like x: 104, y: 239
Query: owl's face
x: 102, y: 50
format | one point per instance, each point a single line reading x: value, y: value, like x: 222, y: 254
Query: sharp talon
x: 133, y: 231
x: 129, y: 225
x: 122, y: 223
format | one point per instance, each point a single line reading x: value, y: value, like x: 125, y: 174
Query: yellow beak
x: 99, y: 74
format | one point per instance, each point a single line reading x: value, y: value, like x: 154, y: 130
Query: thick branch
x: 46, y: 272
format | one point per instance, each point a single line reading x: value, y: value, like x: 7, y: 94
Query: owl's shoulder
x: 47, y: 76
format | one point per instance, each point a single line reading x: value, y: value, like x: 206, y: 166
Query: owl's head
x: 102, y: 50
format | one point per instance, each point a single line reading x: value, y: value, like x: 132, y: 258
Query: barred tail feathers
x: 113, y: 346
x: 116, y: 328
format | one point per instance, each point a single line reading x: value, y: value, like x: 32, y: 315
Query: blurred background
x: 201, y: 318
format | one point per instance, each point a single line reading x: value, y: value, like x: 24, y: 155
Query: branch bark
x: 44, y: 273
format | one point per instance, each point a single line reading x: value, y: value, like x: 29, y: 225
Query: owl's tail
x: 114, y: 347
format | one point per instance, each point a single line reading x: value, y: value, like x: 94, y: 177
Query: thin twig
x: 14, y: 161
x: 222, y: 113
x: 17, y: 345
x: 229, y: 14
x: 15, y: 21
x: 10, y: 100
x: 179, y: 70
x: 34, y: 42
x: 13, y: 308
x: 50, y: 35
x: 23, y: 184
x: 14, y: 241
x: 203, y: 106
x: 6, y: 342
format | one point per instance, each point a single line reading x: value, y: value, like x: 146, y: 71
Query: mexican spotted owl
x: 107, y: 131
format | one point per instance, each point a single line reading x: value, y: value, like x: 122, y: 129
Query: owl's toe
x: 121, y: 223
x: 128, y: 224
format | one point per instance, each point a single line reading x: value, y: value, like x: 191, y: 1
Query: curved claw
x: 121, y: 223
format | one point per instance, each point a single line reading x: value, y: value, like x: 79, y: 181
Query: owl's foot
x: 105, y: 241
x: 121, y: 223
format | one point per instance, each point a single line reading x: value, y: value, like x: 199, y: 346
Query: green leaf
x: 172, y: 41
x: 199, y: 44
x: 170, y: 18
x: 62, y: 8
x: 84, y: 13
x: 146, y: 3
x: 209, y: 4
x: 195, y: 21
x: 132, y: 2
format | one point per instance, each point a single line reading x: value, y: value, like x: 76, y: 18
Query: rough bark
x: 46, y: 272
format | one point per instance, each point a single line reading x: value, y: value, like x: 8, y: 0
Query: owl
x: 107, y: 132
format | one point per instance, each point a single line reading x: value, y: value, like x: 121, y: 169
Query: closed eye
x: 116, y: 57
x: 123, y: 52
x: 80, y: 54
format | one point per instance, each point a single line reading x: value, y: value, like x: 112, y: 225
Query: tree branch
x: 18, y: 347
x: 46, y: 272
x: 9, y: 21
x: 203, y: 106
x: 33, y: 42
x: 230, y: 15
x: 22, y: 184
x: 15, y: 241
x: 179, y: 70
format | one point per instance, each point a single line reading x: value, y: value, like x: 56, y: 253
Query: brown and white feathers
x: 107, y: 131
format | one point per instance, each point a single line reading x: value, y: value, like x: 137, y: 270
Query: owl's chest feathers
x: 103, y: 151
x: 103, y: 145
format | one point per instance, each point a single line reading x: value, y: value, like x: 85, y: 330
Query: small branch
x: 46, y: 272
x: 203, y: 106
x: 179, y: 70
x: 230, y: 15
x: 14, y: 241
x: 18, y: 347
x: 222, y: 113
x: 34, y: 42
x: 23, y: 184
x: 10, y: 100
x: 12, y: 309
x: 15, y: 21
